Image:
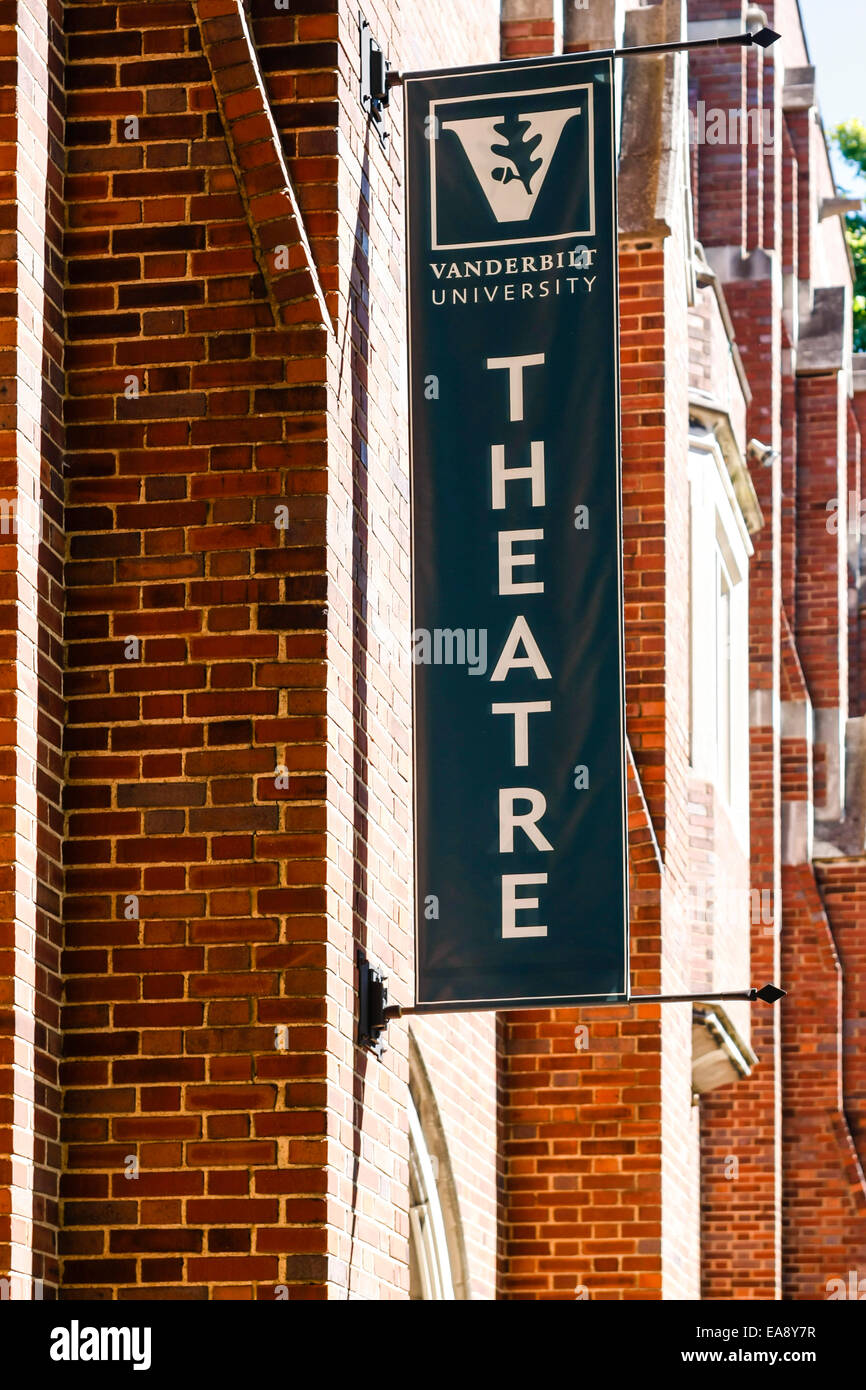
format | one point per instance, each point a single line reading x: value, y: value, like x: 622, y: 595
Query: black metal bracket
x: 374, y: 79
x: 372, y: 1002
x: 375, y: 1013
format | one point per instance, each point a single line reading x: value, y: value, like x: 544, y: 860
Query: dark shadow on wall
x: 356, y: 345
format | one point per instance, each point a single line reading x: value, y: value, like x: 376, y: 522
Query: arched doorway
x: 437, y: 1264
x: 429, y: 1260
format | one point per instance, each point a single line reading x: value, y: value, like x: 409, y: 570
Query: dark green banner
x: 520, y: 830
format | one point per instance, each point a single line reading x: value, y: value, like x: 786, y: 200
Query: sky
x: 836, y: 33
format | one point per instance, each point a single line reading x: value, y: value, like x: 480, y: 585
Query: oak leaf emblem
x: 518, y: 150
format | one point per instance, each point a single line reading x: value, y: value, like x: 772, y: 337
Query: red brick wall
x: 857, y: 657
x: 369, y: 774
x: 800, y: 767
x: 773, y: 154
x: 788, y: 522
x: 173, y: 540
x: 645, y: 342
x: 581, y: 1212
x: 530, y: 28
x: 213, y: 1038
x: 790, y: 202
x: 720, y: 77
x: 237, y: 785
x: 741, y: 1201
x: 824, y: 1193
x: 755, y: 153
x: 842, y: 883
x: 822, y: 571
x: 800, y: 126
x: 852, y: 547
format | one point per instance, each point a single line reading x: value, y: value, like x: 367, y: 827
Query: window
x: 723, y: 681
x: 719, y: 548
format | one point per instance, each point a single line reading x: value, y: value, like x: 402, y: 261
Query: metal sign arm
x: 764, y: 38
x: 375, y: 1013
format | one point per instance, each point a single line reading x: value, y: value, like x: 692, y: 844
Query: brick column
x: 202, y: 987
x: 753, y: 119
x: 843, y: 890
x: 721, y: 78
x: 800, y: 120
x: 859, y: 619
x: 530, y: 27
x: 822, y: 568
x: 741, y: 1216
x: 591, y: 26
x: 772, y: 127
x: 31, y: 656
x: 852, y: 541
x: 825, y: 1190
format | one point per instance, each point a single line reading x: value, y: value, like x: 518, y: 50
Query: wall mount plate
x: 372, y: 1001
x: 374, y: 79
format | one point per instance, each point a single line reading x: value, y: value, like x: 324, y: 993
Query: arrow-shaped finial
x: 764, y: 38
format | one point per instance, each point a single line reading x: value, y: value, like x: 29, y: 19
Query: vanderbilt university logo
x: 512, y: 167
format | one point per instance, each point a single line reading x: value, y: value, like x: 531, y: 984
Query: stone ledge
x: 798, y: 93
x: 822, y: 340
x: 264, y: 183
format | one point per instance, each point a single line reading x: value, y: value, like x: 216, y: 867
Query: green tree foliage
x: 850, y: 139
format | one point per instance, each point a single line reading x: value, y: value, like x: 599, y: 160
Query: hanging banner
x: 517, y: 649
